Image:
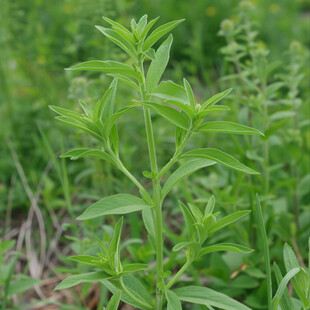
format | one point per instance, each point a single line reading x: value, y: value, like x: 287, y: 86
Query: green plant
x: 299, y: 276
x: 177, y: 104
x: 11, y: 284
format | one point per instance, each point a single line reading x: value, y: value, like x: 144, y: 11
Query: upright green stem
x: 157, y: 202
x: 266, y: 145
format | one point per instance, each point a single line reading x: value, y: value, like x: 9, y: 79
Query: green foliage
x: 187, y: 119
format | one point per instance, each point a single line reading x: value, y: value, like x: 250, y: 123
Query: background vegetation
x: 261, y: 52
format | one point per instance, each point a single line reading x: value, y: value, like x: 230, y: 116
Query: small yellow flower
x: 211, y: 10
x: 274, y: 8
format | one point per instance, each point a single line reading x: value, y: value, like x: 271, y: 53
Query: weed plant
x: 178, y: 106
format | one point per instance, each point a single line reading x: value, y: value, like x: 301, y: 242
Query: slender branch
x: 178, y: 274
x: 122, y: 168
x: 176, y: 155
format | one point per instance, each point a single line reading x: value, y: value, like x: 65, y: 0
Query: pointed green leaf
x: 206, y: 296
x: 168, y: 90
x: 109, y: 123
x: 105, y: 107
x: 158, y: 65
x: 148, y: 27
x: 216, y: 98
x: 264, y: 240
x: 285, y: 301
x: 178, y: 247
x: 114, y: 301
x: 210, y: 206
x: 83, y: 124
x: 147, y: 216
x: 189, y: 221
x: 227, y: 220
x: 78, y: 153
x: 173, y: 302
x: 190, y: 93
x: 220, y: 157
x: 232, y: 247
x: 123, y: 31
x: 117, y: 204
x: 84, y: 277
x: 158, y: 33
x: 114, y: 249
x: 172, y: 115
x: 228, y: 127
x: 134, y: 267
x: 119, y: 40
x: 135, y: 287
x: 108, y: 66
x: 186, y: 108
x: 183, y: 171
x: 213, y: 109
x: 66, y: 112
x: 282, y: 287
x: 301, y: 282
x: 196, y: 213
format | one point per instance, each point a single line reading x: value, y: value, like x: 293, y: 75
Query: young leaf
x: 158, y: 65
x: 158, y: 33
x: 108, y: 66
x: 80, y: 278
x: 301, y: 282
x: 232, y: 247
x: 119, y: 40
x: 123, y: 31
x: 66, y: 112
x: 220, y: 157
x: 114, y: 301
x: 285, y: 301
x: 190, y: 93
x: 109, y: 123
x: 210, y: 206
x: 213, y: 109
x: 148, y: 27
x: 216, y: 98
x: 207, y: 296
x: 189, y: 221
x: 86, y: 259
x: 264, y: 240
x: 173, y: 302
x: 104, y: 108
x: 168, y: 90
x: 79, y: 153
x: 117, y: 204
x: 83, y: 124
x: 183, y: 171
x: 196, y: 213
x: 172, y: 115
x: 228, y: 127
x: 186, y: 108
x: 135, y: 287
x: 227, y: 220
x: 178, y: 247
x: 114, y: 249
x: 134, y: 267
x: 282, y: 287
